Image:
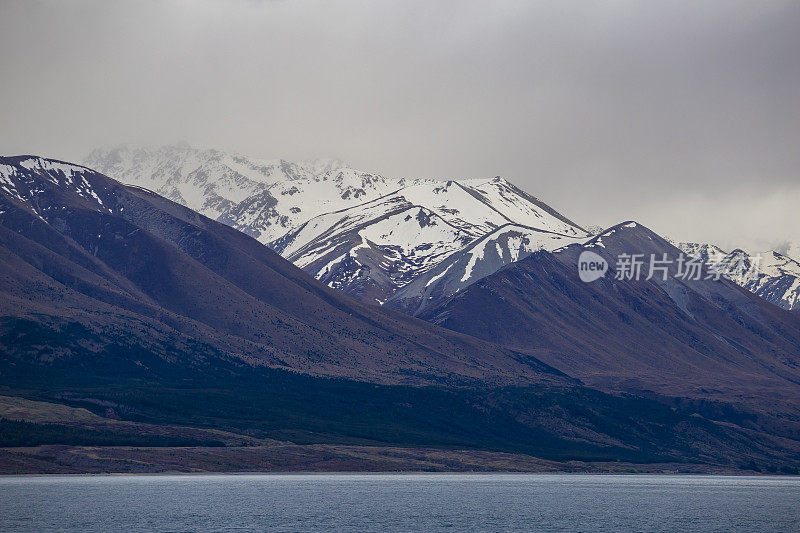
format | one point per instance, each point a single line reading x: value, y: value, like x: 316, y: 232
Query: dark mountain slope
x: 119, y: 301
x: 81, y: 249
x: 679, y: 338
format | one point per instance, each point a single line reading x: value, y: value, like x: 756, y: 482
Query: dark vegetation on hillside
x: 22, y: 433
x: 558, y: 423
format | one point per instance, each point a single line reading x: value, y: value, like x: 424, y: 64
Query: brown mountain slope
x: 118, y: 301
x: 704, y: 339
x: 79, y: 250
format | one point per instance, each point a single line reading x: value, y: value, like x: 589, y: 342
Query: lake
x: 402, y: 502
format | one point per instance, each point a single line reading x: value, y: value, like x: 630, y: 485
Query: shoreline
x: 320, y: 459
x: 400, y: 474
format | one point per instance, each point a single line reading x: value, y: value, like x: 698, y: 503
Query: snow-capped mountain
x: 771, y: 275
x: 370, y: 250
x: 263, y: 198
x: 482, y: 257
x: 668, y: 335
x: 108, y: 280
x: 707, y: 253
x: 374, y: 249
x: 404, y: 243
x: 364, y: 234
x: 17, y: 181
x: 105, y: 287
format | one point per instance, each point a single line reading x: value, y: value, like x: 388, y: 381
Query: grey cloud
x: 684, y: 115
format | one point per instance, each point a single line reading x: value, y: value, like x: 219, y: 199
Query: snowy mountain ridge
x: 363, y: 233
x: 404, y: 243
x: 771, y: 275
x: 263, y: 198
x: 17, y: 183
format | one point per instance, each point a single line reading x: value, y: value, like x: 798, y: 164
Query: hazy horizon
x: 679, y: 115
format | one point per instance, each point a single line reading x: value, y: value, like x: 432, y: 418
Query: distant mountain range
x: 365, y: 235
x: 134, y: 306
x: 85, y: 252
x: 122, y: 302
x: 771, y: 275
x: 670, y: 335
x: 402, y: 243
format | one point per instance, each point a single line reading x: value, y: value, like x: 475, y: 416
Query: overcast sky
x: 682, y: 115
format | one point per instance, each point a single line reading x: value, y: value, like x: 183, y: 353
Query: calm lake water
x: 386, y: 503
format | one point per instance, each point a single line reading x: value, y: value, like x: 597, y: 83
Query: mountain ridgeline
x: 403, y: 243
x: 118, y: 300
x: 83, y: 251
x: 365, y: 235
x: 670, y: 335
